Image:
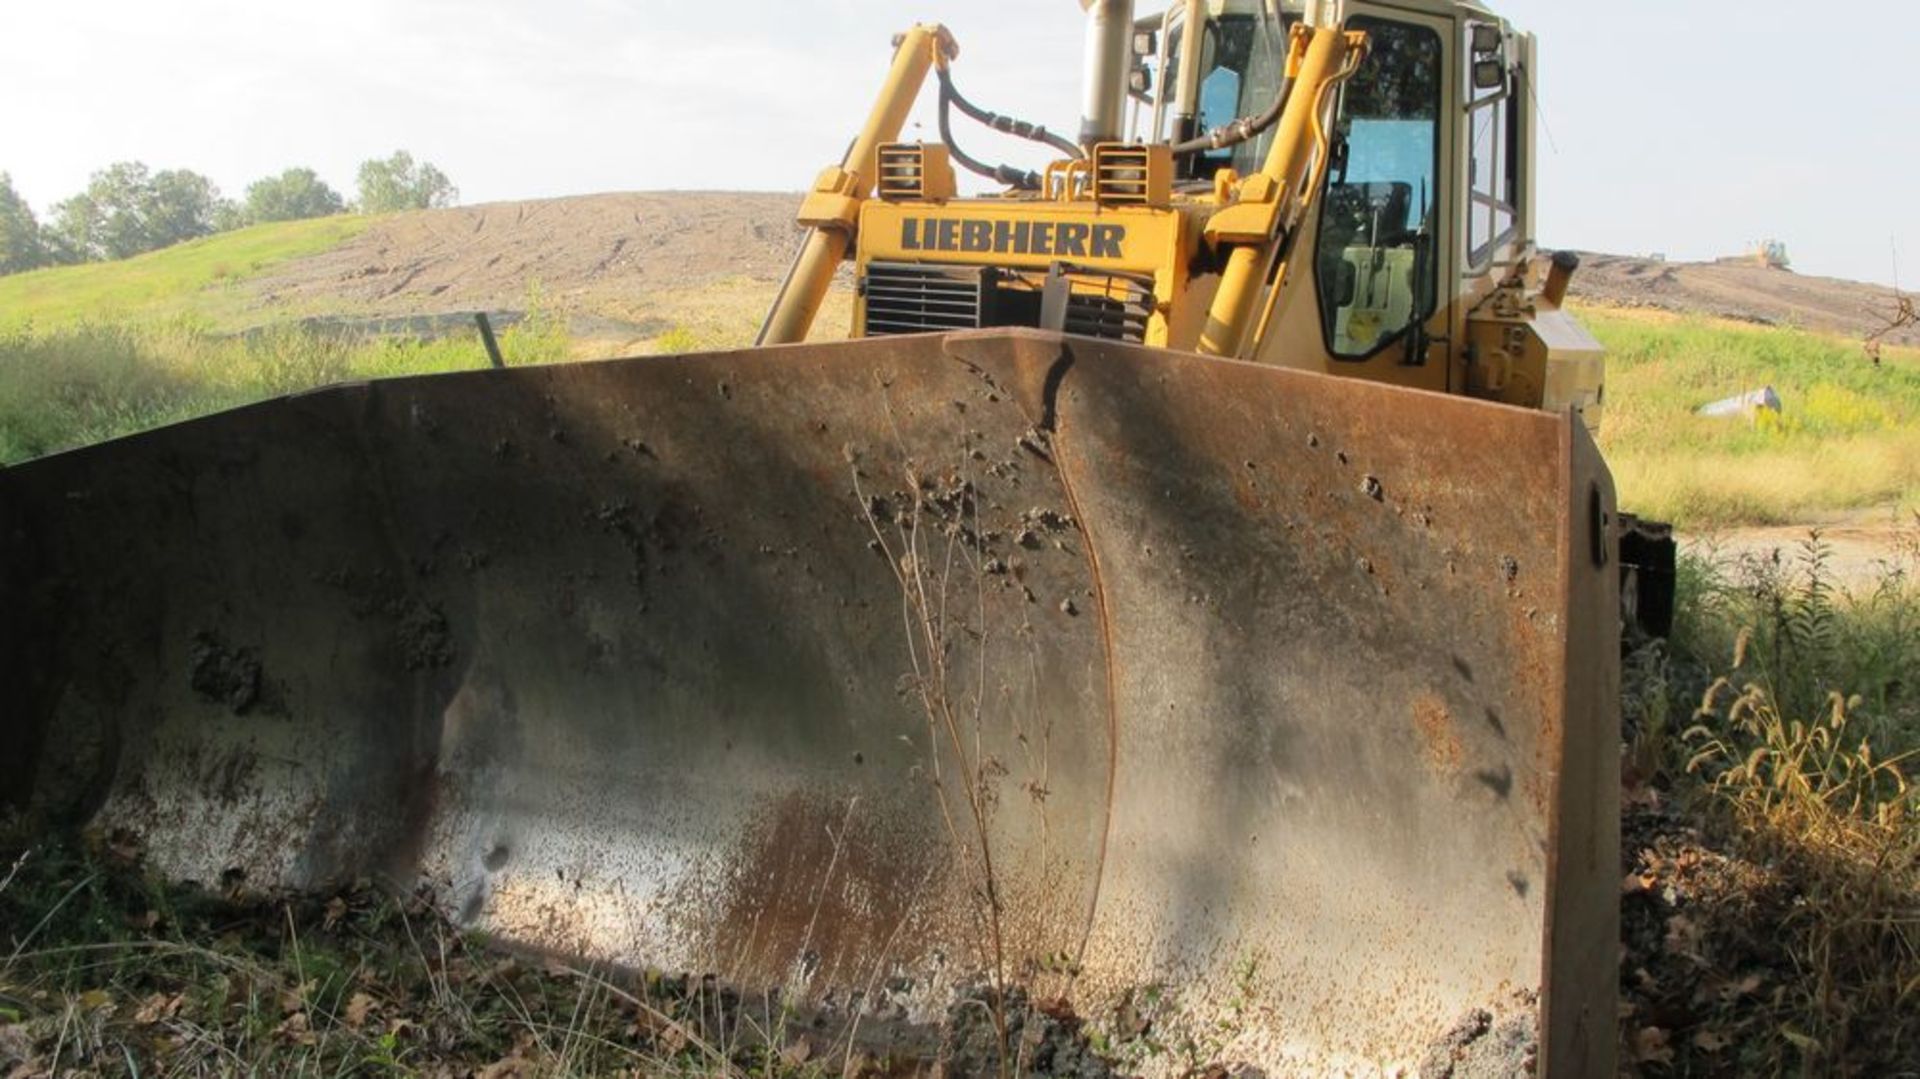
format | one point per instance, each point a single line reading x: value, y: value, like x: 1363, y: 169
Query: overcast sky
x: 1690, y: 127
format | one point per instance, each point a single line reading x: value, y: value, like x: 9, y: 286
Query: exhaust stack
x: 1109, y: 57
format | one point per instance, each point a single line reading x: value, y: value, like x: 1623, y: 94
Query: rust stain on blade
x: 1436, y: 726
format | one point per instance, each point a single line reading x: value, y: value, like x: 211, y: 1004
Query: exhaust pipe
x: 1108, y: 62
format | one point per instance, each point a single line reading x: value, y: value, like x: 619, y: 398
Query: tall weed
x: 1796, y: 764
x: 79, y: 384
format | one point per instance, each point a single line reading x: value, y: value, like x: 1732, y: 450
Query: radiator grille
x: 909, y: 298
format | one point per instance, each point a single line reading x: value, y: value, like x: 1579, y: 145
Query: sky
x: 1687, y: 127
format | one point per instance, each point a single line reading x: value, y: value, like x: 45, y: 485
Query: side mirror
x: 1140, y: 80
x: 1489, y: 74
x: 1146, y: 43
x: 1487, y: 39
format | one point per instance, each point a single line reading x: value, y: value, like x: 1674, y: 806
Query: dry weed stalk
x: 1816, y: 801
x: 932, y: 544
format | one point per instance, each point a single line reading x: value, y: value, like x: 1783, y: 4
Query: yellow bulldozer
x: 1194, y: 600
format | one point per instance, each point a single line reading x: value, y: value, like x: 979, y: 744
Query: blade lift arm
x: 832, y: 209
x: 1259, y: 224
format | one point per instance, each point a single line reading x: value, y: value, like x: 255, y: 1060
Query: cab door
x: 1371, y: 275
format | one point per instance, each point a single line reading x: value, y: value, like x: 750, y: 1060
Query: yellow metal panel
x: 1244, y: 223
x: 1021, y: 234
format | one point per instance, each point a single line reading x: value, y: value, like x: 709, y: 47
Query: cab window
x: 1242, y: 63
x: 1374, y: 262
x: 1493, y: 126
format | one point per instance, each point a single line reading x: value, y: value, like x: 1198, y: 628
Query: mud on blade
x: 873, y: 667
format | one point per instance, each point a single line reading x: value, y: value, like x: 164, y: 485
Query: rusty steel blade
x: 870, y: 671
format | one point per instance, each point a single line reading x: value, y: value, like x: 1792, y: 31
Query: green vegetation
x: 294, y: 195
x: 1771, y: 910
x: 90, y: 382
x: 23, y: 245
x: 1848, y: 437
x: 398, y: 183
x: 128, y: 210
x: 197, y: 278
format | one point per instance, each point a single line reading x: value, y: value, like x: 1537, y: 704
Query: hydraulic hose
x: 1242, y: 129
x: 1016, y: 178
x: 1006, y: 124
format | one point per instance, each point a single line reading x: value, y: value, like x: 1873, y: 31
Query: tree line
x: 128, y: 209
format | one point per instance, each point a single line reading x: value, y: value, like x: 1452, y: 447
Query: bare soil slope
x: 605, y: 255
x: 1743, y: 291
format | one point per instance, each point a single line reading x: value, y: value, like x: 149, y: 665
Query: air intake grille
x: 911, y: 170
x: 909, y: 298
x: 1127, y: 175
x: 901, y: 171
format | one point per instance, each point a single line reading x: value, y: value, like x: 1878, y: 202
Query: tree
x: 127, y: 210
x: 21, y: 244
x: 181, y: 205
x: 397, y: 183
x: 294, y: 195
x: 105, y: 221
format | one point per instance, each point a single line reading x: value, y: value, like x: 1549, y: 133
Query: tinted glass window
x: 1374, y: 265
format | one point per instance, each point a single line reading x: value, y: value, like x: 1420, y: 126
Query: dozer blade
x: 1275, y: 707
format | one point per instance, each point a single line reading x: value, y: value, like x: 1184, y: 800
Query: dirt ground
x: 1745, y: 292
x: 1861, y: 549
x: 624, y: 267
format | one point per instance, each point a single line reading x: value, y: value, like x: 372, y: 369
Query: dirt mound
x: 579, y: 253
x: 1743, y: 291
x: 611, y: 255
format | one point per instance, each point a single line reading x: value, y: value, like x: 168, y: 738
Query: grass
x: 104, y: 970
x: 199, y: 278
x: 1772, y: 902
x: 1847, y: 439
x: 94, y: 381
x: 726, y: 314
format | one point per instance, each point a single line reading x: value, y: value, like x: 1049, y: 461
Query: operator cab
x: 1377, y: 240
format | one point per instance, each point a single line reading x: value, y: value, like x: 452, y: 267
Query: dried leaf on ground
x: 359, y: 1007
x: 1650, y: 1046
x: 1710, y: 1041
x: 296, y: 1029
x: 157, y: 1007
x: 797, y: 1053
